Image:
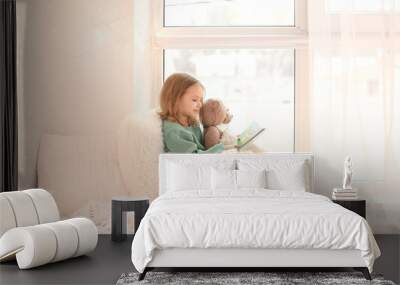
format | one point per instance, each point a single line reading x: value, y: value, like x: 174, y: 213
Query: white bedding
x: 250, y: 218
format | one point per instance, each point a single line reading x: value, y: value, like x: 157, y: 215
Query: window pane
x: 229, y: 13
x: 255, y: 84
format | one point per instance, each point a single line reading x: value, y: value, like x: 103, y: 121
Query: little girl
x: 180, y: 102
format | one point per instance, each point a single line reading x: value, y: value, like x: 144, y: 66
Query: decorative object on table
x: 120, y: 206
x: 348, y: 173
x: 347, y: 192
x: 32, y: 233
x: 266, y: 278
x: 357, y: 206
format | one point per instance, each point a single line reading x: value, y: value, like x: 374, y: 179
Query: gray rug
x: 225, y: 278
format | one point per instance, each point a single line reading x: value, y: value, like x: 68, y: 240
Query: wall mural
x: 83, y: 173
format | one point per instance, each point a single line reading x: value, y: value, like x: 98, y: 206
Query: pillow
x: 188, y: 177
x: 287, y: 178
x: 223, y: 179
x: 235, y: 179
x: 251, y: 178
x: 281, y: 174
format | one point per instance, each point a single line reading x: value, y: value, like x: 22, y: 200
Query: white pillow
x: 282, y: 174
x: 251, y: 178
x: 223, y: 179
x: 188, y: 177
x: 291, y: 178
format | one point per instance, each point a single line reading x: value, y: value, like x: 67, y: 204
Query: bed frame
x: 245, y: 259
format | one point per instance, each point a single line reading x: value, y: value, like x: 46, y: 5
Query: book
x: 342, y: 191
x: 344, y: 198
x: 344, y: 194
x: 248, y: 135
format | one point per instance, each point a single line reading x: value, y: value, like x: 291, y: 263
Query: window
x: 180, y: 13
x: 250, y: 62
x: 256, y: 84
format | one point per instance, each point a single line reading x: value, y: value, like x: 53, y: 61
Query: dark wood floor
x: 110, y: 260
x: 102, y: 266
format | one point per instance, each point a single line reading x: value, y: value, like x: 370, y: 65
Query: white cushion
x: 67, y: 239
x: 23, y: 208
x: 188, y: 177
x: 282, y: 174
x: 174, y: 165
x: 228, y: 179
x: 87, y: 233
x: 46, y: 207
x: 291, y: 178
x: 7, y: 220
x: 139, y: 143
x: 251, y: 178
x: 223, y: 179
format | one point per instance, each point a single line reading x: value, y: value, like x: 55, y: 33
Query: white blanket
x: 251, y: 218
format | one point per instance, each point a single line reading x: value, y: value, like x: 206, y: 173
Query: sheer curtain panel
x: 355, y: 101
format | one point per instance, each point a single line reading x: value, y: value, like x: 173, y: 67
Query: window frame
x: 240, y: 37
x: 266, y: 26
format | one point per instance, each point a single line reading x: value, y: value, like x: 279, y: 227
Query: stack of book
x: 344, y: 194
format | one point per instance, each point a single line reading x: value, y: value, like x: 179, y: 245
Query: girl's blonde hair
x: 172, y: 91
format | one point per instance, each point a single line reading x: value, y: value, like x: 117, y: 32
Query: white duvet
x: 251, y: 218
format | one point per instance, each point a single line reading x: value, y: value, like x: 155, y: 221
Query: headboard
x: 231, y: 159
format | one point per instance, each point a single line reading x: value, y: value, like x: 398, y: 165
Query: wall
x: 76, y: 77
x: 75, y: 71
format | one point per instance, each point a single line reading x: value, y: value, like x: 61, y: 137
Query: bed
x: 247, y: 210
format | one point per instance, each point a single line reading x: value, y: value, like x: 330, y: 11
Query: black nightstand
x: 119, y: 207
x: 357, y: 206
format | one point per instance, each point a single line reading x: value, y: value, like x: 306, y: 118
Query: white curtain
x: 355, y: 101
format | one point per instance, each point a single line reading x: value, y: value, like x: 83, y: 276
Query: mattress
x: 251, y: 219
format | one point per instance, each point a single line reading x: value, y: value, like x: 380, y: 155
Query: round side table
x: 119, y: 207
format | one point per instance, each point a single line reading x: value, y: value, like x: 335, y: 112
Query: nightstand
x: 119, y: 207
x: 357, y: 206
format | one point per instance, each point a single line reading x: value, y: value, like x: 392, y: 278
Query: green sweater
x: 181, y: 139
